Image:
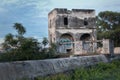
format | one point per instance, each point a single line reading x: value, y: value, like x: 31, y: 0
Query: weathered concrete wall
x: 117, y: 50
x: 30, y: 69
x: 75, y: 22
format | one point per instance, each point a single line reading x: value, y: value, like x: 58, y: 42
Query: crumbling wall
x: 30, y: 69
x: 117, y: 50
x: 74, y: 22
x: 108, y: 46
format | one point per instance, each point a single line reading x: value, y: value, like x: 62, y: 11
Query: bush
x: 28, y: 50
x: 18, y: 55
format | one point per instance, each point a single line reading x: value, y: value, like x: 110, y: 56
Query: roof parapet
x: 65, y: 10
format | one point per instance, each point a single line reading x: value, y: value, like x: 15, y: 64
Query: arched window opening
x: 85, y: 37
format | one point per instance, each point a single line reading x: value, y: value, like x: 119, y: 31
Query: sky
x: 33, y: 14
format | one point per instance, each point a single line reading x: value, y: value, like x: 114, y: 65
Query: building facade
x: 74, y: 31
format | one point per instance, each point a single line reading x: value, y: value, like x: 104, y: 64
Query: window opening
x: 65, y: 21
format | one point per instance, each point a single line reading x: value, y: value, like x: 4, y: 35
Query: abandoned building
x: 74, y: 31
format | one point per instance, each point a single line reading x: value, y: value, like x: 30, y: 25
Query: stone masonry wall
x: 30, y: 69
x: 74, y: 22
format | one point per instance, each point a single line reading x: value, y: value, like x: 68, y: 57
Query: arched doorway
x: 66, y: 43
x: 87, y: 45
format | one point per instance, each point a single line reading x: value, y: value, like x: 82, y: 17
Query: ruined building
x: 74, y: 31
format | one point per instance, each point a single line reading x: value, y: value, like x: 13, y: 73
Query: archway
x: 85, y: 37
x: 66, y: 43
x: 87, y: 45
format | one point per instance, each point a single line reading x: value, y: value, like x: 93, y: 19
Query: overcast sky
x: 33, y: 14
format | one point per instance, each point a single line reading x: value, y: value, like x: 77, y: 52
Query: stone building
x: 74, y: 31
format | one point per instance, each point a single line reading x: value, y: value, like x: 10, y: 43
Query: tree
x: 20, y: 29
x: 30, y: 44
x: 19, y: 47
x: 29, y: 49
x: 22, y: 48
x: 9, y: 38
x: 45, y: 41
x: 109, y: 26
x: 9, y: 42
x: 52, y: 50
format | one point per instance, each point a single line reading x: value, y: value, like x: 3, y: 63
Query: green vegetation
x: 101, y: 71
x: 19, y: 48
x: 109, y: 26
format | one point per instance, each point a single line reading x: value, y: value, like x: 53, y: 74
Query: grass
x: 101, y: 71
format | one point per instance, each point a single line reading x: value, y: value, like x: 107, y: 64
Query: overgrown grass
x: 101, y: 71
